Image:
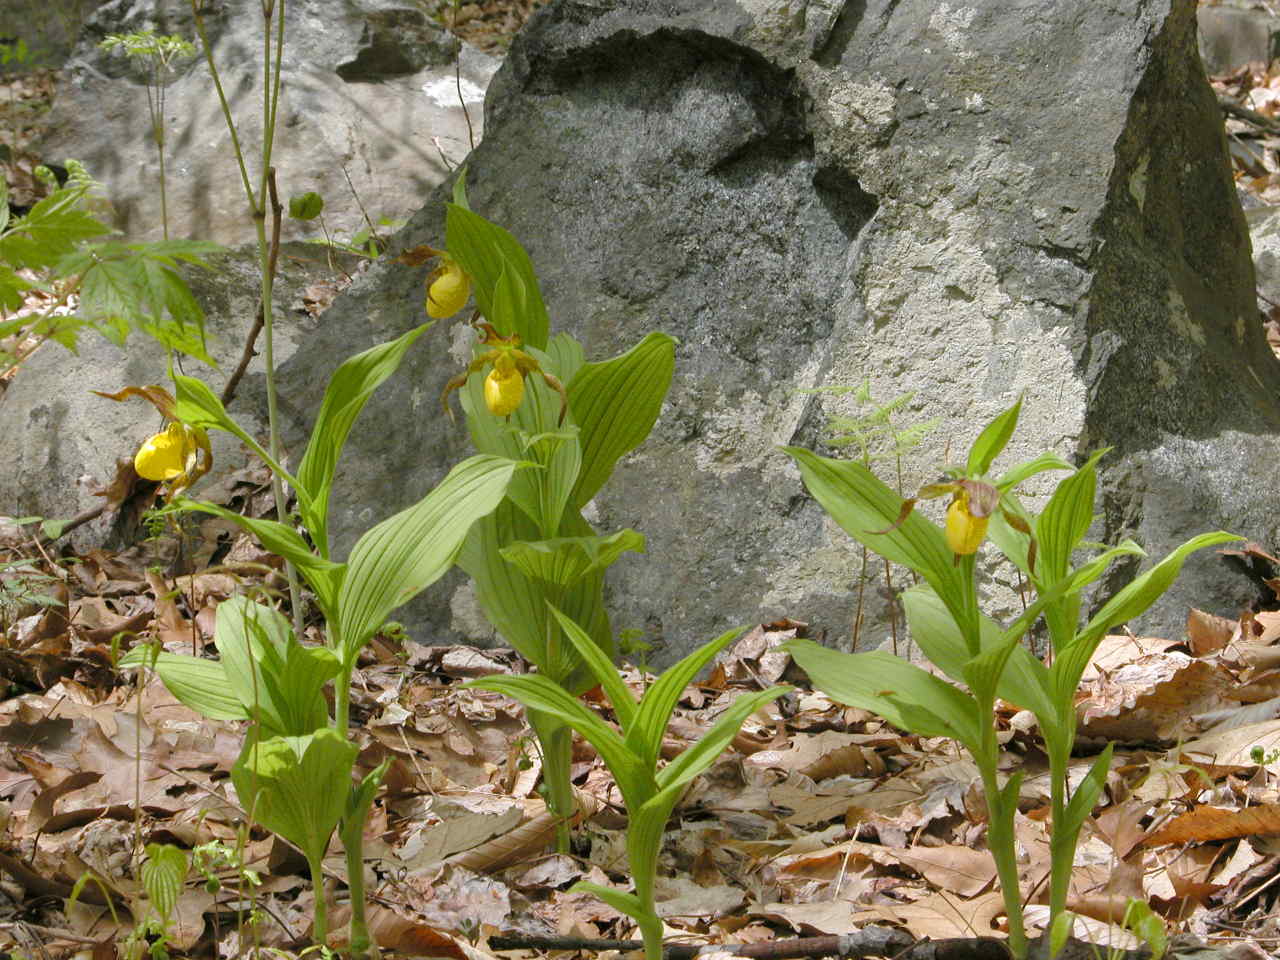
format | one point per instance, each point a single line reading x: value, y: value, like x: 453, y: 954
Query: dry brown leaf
x: 525, y: 841
x: 1206, y: 823
x: 1152, y: 698
x: 1208, y: 633
x: 684, y: 897
x: 958, y: 870
x: 939, y: 916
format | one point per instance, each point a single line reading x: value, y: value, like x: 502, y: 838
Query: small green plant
x: 1264, y: 758
x: 122, y: 287
x: 366, y: 243
x: 164, y: 871
x: 531, y: 396
x: 158, y: 52
x: 984, y: 659
x: 875, y: 436
x: 649, y: 791
x: 21, y: 589
x: 1139, y: 919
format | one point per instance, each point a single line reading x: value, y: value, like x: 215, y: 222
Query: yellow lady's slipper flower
x: 449, y: 290
x: 174, y: 456
x: 503, y: 387
x: 965, y: 532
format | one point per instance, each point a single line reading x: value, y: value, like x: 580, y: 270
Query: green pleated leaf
x: 602, y: 668
x: 163, y: 873
x: 644, y: 737
x: 297, y: 786
x: 1080, y: 806
x: 1065, y: 520
x: 484, y: 251
x: 903, y: 694
x: 349, y: 389
x: 323, y: 576
x: 278, y: 681
x: 615, y: 404
x: 1024, y: 471
x: 516, y: 604
x: 532, y: 433
x: 199, y: 684
x: 869, y: 511
x: 1136, y: 597
x: 993, y: 438
x: 406, y: 553
x: 564, y: 561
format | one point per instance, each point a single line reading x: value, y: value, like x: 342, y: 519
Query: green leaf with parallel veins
x: 404, y: 554
x: 201, y: 685
x: 993, y: 438
x: 484, y: 251
x: 163, y: 873
x: 615, y: 404
x: 902, y: 693
x: 348, y: 391
x: 297, y: 786
x: 564, y: 561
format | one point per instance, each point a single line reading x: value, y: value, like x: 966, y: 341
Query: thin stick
x: 872, y: 941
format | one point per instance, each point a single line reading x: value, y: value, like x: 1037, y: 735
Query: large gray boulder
x: 369, y: 114
x: 970, y: 201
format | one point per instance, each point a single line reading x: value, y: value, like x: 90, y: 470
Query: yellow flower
x: 173, y: 456
x: 503, y: 387
x: 449, y: 290
x: 965, y: 531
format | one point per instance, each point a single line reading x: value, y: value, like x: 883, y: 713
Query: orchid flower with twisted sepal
x: 504, y: 386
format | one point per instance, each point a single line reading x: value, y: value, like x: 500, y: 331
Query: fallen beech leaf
x: 1207, y: 632
x: 1206, y: 823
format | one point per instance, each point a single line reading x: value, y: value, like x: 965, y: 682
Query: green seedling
x: 533, y: 397
x: 649, y: 791
x: 159, y: 53
x: 983, y: 659
x: 164, y: 871
x: 364, y: 243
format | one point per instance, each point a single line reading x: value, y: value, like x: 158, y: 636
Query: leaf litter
x: 818, y: 820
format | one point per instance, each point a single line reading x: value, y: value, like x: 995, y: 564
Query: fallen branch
x: 872, y: 941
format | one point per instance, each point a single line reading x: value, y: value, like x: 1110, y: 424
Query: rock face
x: 967, y: 201
x: 369, y: 114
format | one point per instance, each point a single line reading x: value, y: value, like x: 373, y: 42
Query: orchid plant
x: 533, y: 397
x: 266, y: 675
x: 650, y: 792
x: 982, y: 658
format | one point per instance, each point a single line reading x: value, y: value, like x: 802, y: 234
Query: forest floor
x: 819, y: 820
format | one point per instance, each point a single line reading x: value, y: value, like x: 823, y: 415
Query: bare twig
x: 248, y: 353
x: 1252, y: 116
x: 870, y: 941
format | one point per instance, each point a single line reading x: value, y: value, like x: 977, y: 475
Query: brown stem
x: 248, y: 353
